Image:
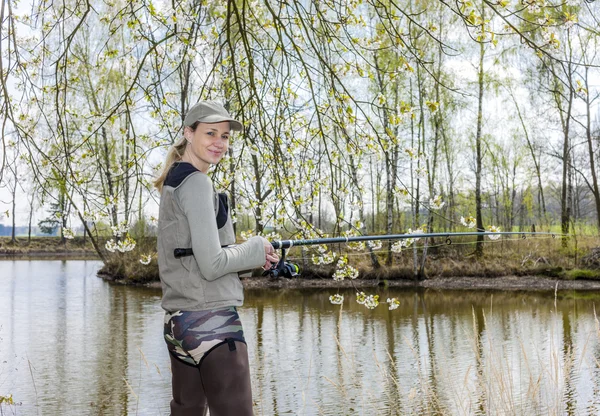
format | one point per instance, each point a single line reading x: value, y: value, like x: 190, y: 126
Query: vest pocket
x: 186, y: 262
x: 224, y: 288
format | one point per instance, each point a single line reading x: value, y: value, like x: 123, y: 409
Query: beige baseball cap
x: 210, y: 112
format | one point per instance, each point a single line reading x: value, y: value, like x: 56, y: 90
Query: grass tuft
x: 581, y: 274
x: 126, y: 267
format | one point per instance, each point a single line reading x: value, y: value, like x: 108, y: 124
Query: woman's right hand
x: 270, y: 254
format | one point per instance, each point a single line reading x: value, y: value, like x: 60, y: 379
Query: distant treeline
x: 6, y: 230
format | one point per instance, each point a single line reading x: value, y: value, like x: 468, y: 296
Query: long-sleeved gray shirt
x: 189, y: 208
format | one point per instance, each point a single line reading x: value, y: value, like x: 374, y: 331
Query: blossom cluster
x: 436, y: 202
x: 370, y: 301
x: 336, y: 299
x: 324, y: 256
x: 344, y: 270
x: 273, y: 236
x: 403, y: 194
x: 494, y: 229
x: 354, y: 245
x: 146, y: 259
x: 469, y: 221
x: 121, y: 229
x: 533, y: 6
x: 123, y: 246
x: 89, y: 216
x: 421, y: 172
x: 399, y: 245
x: 355, y: 206
x: 68, y: 233
x: 358, y: 224
x: 413, y: 153
x: 375, y: 245
x: 407, y: 242
x: 247, y: 234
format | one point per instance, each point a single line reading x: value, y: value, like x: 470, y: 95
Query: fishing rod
x: 286, y: 244
x: 289, y: 270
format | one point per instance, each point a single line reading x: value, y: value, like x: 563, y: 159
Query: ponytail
x: 174, y: 155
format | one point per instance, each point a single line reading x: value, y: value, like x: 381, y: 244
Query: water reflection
x: 71, y: 344
x: 454, y: 352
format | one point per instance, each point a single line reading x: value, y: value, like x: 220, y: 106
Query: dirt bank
x: 533, y: 283
x: 45, y: 255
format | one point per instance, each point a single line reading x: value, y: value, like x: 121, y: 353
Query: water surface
x: 72, y: 344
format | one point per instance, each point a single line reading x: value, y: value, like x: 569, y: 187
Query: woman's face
x: 207, y: 145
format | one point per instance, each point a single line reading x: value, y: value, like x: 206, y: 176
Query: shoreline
x: 509, y: 283
x: 47, y: 255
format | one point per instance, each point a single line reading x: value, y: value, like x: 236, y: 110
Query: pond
x: 72, y: 344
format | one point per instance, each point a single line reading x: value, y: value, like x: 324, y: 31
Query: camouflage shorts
x: 191, y: 335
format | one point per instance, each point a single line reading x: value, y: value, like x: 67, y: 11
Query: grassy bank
x: 46, y: 247
x: 516, y: 256
x: 128, y: 268
x: 545, y: 257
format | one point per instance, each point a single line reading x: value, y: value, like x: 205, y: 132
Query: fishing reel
x: 282, y: 269
x: 287, y: 270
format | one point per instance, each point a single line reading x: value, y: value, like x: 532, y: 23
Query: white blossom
x: 360, y: 298
x: 436, y: 203
x: 469, y: 221
x: 121, y: 229
x: 68, y: 233
x: 126, y: 245
x: 370, y: 301
x: 398, y: 246
x: 246, y: 234
x: 88, y: 216
x: 421, y: 172
x: 326, y: 258
x: 493, y: 229
x: 375, y: 245
x: 111, y: 245
x: 344, y: 270
x: 336, y: 299
x: 393, y: 303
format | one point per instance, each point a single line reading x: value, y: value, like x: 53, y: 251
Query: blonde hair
x: 174, y: 155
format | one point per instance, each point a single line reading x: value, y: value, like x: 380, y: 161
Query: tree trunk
x: 536, y: 163
x: 30, y: 219
x: 450, y: 180
x: 109, y: 178
x: 232, y: 187
x: 361, y: 212
x: 588, y: 131
x: 565, y: 206
x: 13, y: 238
x: 391, y: 157
x: 479, y: 156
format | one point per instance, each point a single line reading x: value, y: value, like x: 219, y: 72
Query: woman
x: 209, y: 359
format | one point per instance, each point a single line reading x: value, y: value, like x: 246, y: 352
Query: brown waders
x: 221, y: 383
